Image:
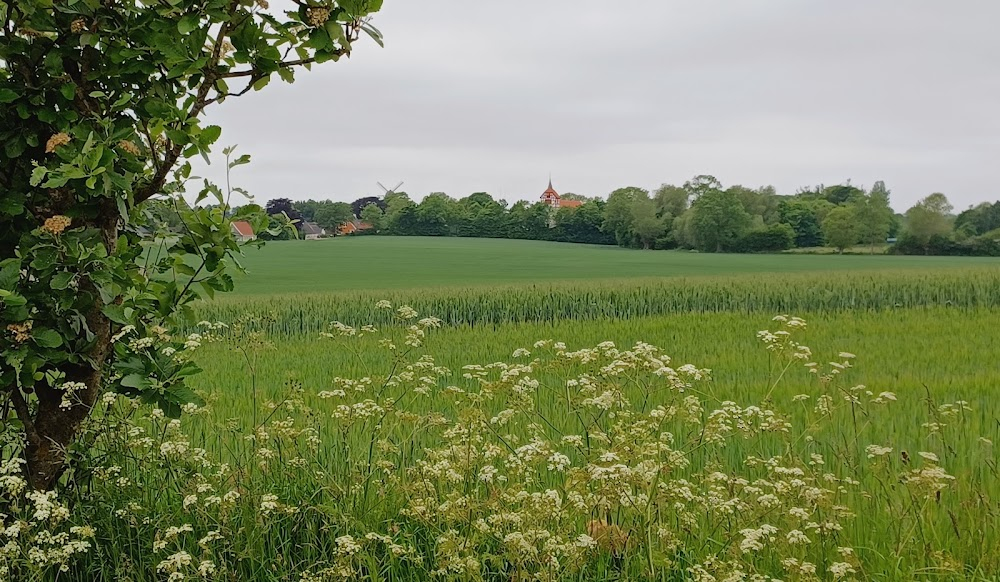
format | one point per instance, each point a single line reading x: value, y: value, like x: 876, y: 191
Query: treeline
x: 701, y: 215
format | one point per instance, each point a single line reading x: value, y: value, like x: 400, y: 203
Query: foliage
x: 985, y: 245
x: 928, y: 218
x: 619, y: 219
x: 719, y: 220
x: 330, y: 215
x: 778, y: 237
x: 671, y: 201
x: 646, y: 225
x: 102, y: 104
x: 358, y: 206
x: 284, y: 206
x: 372, y: 215
x: 979, y: 220
x: 840, y: 228
x: 804, y: 218
x: 873, y: 215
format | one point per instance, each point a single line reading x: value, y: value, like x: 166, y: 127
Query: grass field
x: 365, y: 263
x: 461, y: 449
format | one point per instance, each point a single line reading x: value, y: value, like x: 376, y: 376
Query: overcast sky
x: 476, y: 95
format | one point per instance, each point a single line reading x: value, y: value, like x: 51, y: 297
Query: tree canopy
x: 101, y: 107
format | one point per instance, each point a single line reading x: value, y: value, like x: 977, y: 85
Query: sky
x: 472, y: 95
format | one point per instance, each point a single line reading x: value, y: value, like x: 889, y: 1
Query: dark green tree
x: 719, y: 220
x: 801, y: 215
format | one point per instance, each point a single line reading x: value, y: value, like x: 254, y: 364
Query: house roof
x: 311, y: 228
x: 354, y: 225
x: 243, y: 227
x: 564, y: 203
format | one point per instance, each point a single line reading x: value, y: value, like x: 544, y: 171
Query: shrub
x: 778, y: 237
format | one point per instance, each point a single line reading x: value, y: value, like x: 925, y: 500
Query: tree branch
x: 283, y: 64
x: 21, y: 408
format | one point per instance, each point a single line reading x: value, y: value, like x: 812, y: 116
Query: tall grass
x: 589, y: 461
x: 293, y: 315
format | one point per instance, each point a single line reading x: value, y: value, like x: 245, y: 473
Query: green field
x: 377, y: 262
x: 415, y: 452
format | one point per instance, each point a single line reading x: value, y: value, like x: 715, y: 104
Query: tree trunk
x: 56, y: 428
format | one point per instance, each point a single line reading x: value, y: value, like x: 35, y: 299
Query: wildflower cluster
x: 36, y: 533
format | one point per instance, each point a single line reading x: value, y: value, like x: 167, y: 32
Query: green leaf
x: 6, y: 95
x: 9, y: 275
x: 15, y: 301
x: 188, y: 23
x: 181, y: 394
x: 137, y: 381
x: 37, y: 175
x: 210, y: 134
x: 261, y: 83
x: 68, y: 91
x: 244, y: 159
x: 12, y: 203
x: 115, y: 313
x: 47, y: 338
x: 61, y: 280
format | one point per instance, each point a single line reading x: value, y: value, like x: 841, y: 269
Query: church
x: 551, y: 198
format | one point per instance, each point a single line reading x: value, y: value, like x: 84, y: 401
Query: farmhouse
x: 551, y: 197
x: 242, y: 231
x: 312, y: 231
x: 353, y: 226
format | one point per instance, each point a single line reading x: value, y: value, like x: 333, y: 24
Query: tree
x: 801, y: 214
x: 373, y: 215
x: 284, y: 206
x: 842, y: 193
x: 840, y: 228
x: 979, y: 219
x: 330, y: 215
x: 307, y: 208
x: 436, y: 214
x: 928, y: 218
x: 101, y: 105
x: 700, y: 185
x: 761, y: 203
x: 719, y: 220
x: 873, y: 215
x: 645, y: 223
x: 395, y: 202
x: 671, y: 201
x: 358, y: 205
x: 583, y: 224
x: 618, y: 216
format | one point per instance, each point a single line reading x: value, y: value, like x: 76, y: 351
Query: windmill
x: 387, y: 191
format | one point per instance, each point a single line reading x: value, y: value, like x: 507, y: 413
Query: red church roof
x: 550, y: 192
x: 552, y: 198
